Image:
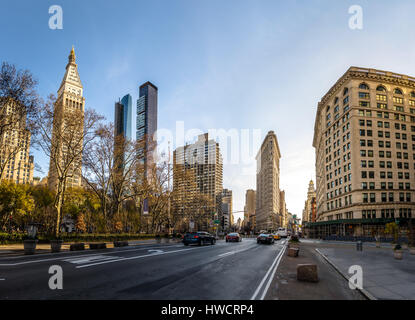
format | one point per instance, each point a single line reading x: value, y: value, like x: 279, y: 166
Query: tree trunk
x: 58, y: 206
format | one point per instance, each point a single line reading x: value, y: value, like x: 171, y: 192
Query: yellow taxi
x: 276, y: 236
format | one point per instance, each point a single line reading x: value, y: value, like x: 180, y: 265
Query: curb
x: 363, y: 291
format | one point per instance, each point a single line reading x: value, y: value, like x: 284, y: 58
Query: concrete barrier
x: 77, y: 246
x: 118, y: 244
x: 307, y: 272
x: 96, y: 246
x: 293, y: 252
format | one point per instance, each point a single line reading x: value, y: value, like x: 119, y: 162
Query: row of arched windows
x: 364, y: 86
x: 380, y: 88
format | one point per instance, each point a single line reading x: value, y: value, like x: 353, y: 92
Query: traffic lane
x: 28, y: 278
x: 10, y: 262
x: 230, y: 277
x: 199, y: 274
x: 31, y: 274
x: 133, y: 279
x: 16, y: 260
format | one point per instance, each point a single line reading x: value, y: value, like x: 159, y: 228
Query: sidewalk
x: 383, y: 276
x: 331, y: 285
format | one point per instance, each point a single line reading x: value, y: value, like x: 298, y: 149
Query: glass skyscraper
x: 147, y: 124
x: 123, y: 117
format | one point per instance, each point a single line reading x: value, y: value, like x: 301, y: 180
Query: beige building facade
x: 249, y: 209
x: 268, y: 216
x: 17, y: 164
x: 283, y: 210
x: 307, y: 211
x: 197, y: 170
x: 364, y: 137
x: 70, y: 102
x: 226, y: 198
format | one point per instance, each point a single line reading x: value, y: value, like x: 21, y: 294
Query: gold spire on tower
x: 72, y: 56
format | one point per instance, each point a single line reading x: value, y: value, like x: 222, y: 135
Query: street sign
x: 191, y: 225
x: 217, y: 221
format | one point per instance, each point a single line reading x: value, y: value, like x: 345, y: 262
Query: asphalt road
x: 225, y: 271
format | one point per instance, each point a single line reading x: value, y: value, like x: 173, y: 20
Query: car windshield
x: 263, y: 235
x: 233, y: 234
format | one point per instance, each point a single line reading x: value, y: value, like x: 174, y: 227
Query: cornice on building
x: 362, y: 74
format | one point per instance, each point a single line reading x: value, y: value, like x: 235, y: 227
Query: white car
x: 282, y: 232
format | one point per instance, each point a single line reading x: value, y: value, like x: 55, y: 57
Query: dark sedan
x: 199, y: 238
x: 233, y: 237
x: 265, y: 238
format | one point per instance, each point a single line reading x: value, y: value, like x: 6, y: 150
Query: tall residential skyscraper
x: 147, y: 125
x: 197, y: 169
x: 69, y: 104
x: 122, y: 128
x: 17, y: 164
x: 364, y: 137
x: 123, y: 117
x: 268, y: 216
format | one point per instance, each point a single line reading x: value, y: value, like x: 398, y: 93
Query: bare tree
x: 98, y: 162
x: 109, y: 167
x: 63, y: 138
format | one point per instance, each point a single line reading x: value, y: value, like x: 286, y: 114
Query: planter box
x: 96, y: 246
x: 118, y: 244
x: 378, y: 244
x: 412, y: 251
x: 397, y: 254
x: 29, y: 246
x: 56, y: 245
x: 77, y: 246
x: 404, y: 246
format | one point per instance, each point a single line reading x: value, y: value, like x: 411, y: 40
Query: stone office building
x: 364, y: 137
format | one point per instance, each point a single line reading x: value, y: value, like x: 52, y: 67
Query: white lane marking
x: 61, y: 258
x: 267, y: 274
x: 2, y: 279
x: 272, y: 274
x: 234, y: 252
x: 226, y: 254
x: 89, y: 259
x: 155, y: 251
x: 137, y: 257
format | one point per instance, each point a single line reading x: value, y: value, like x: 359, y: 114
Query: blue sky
x: 244, y: 64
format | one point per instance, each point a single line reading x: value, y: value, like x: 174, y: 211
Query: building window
x: 363, y: 86
x: 398, y: 91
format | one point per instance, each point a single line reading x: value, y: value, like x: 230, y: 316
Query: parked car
x: 265, y: 238
x: 233, y: 237
x: 200, y: 238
